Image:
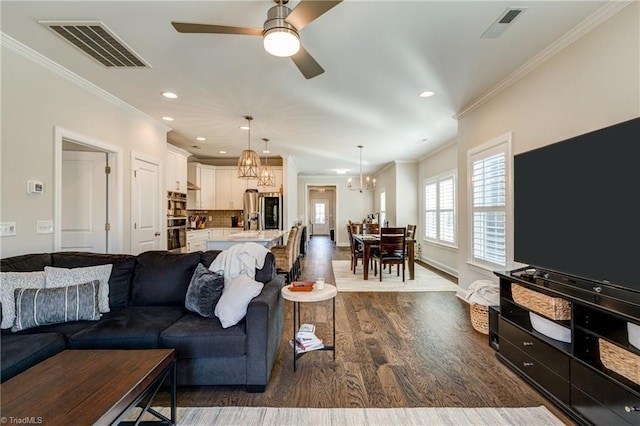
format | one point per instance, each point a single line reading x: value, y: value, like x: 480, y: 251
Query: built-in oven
x: 177, y: 222
x: 177, y: 234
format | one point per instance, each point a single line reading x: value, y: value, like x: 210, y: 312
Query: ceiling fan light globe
x: 281, y: 42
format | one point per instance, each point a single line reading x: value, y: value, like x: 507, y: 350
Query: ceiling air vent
x: 97, y: 41
x: 503, y: 21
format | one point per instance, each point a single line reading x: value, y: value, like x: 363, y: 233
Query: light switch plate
x: 7, y: 229
x: 44, y: 227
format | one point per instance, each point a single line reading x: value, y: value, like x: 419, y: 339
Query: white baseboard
x: 444, y: 268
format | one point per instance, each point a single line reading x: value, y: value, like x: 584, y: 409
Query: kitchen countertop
x: 267, y: 238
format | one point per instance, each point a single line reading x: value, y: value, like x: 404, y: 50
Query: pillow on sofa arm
x: 204, y: 291
x: 41, y: 306
x: 233, y: 303
x: 11, y: 281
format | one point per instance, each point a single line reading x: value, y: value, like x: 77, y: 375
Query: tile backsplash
x: 214, y: 218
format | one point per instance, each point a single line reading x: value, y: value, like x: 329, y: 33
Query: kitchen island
x: 268, y: 238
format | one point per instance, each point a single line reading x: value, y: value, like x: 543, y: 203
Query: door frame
x: 162, y: 196
x: 336, y: 207
x: 115, y: 194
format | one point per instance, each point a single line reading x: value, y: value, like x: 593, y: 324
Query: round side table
x: 298, y: 297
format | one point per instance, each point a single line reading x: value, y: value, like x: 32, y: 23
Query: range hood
x: 192, y: 186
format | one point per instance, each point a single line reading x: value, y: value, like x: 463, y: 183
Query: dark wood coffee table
x: 90, y: 387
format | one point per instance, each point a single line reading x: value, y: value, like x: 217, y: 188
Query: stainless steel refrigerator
x: 262, y: 210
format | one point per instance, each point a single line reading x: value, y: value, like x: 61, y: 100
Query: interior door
x: 146, y: 207
x: 84, y: 202
x: 320, y: 217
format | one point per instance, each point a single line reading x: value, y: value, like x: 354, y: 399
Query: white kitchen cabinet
x: 204, y: 177
x: 230, y: 189
x: 197, y: 240
x: 176, y: 169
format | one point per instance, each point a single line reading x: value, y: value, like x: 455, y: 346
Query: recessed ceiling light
x: 341, y: 172
x: 426, y: 94
x: 222, y: 152
x: 265, y: 151
x: 169, y: 95
x: 200, y: 138
x: 244, y: 127
x: 167, y: 118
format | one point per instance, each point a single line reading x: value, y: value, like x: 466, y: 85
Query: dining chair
x: 411, y: 231
x: 356, y: 248
x: 297, y: 265
x: 284, y: 256
x: 370, y: 228
x: 391, y: 250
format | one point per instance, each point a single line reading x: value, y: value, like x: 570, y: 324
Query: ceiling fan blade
x: 306, y: 64
x: 186, y: 27
x: 306, y: 11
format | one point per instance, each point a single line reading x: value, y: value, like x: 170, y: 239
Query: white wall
x: 591, y: 84
x: 442, y: 161
x: 350, y: 205
x: 35, y: 99
x: 406, y: 197
x: 292, y: 214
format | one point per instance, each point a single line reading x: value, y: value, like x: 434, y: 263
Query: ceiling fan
x: 279, y: 32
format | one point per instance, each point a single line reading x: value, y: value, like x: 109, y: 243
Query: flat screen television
x: 576, y: 206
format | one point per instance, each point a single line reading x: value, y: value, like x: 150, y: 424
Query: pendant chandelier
x: 365, y: 185
x: 249, y: 162
x: 266, y: 176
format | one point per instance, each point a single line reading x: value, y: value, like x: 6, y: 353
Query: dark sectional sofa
x: 147, y: 310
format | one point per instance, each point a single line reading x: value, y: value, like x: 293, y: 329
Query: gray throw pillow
x: 41, y: 306
x: 204, y: 291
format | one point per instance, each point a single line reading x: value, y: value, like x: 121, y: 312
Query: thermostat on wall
x: 35, y: 187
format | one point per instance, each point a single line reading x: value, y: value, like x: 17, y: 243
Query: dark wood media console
x: 572, y: 374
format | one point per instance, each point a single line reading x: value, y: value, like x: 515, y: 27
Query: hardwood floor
x: 393, y: 350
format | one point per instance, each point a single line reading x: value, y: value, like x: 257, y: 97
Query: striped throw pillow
x: 41, y: 306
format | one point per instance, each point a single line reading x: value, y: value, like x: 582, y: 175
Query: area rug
x: 238, y: 416
x: 425, y: 280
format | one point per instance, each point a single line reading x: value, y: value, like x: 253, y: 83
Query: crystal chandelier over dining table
x: 365, y: 184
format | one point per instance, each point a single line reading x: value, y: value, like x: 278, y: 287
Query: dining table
x: 373, y: 240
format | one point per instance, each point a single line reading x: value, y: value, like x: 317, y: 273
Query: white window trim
x: 435, y: 179
x: 490, y: 147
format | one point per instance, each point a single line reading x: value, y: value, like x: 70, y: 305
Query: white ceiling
x: 377, y: 55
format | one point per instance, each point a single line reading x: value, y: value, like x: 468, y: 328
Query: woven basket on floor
x: 480, y: 318
x: 623, y: 362
x: 554, y: 308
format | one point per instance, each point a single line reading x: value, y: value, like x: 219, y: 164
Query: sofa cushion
x: 264, y: 275
x: 121, y: 273
x: 26, y: 263
x: 161, y: 278
x: 10, y: 281
x: 22, y: 352
x: 135, y: 327
x: 62, y: 277
x: 204, y: 291
x: 39, y: 306
x: 193, y: 336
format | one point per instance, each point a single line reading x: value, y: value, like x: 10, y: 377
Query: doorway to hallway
x: 321, y: 210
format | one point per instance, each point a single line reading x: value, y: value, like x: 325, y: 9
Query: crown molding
x: 38, y: 58
x: 584, y: 27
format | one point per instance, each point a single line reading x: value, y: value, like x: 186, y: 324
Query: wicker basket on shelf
x: 623, y: 362
x: 480, y: 318
x: 554, y: 308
